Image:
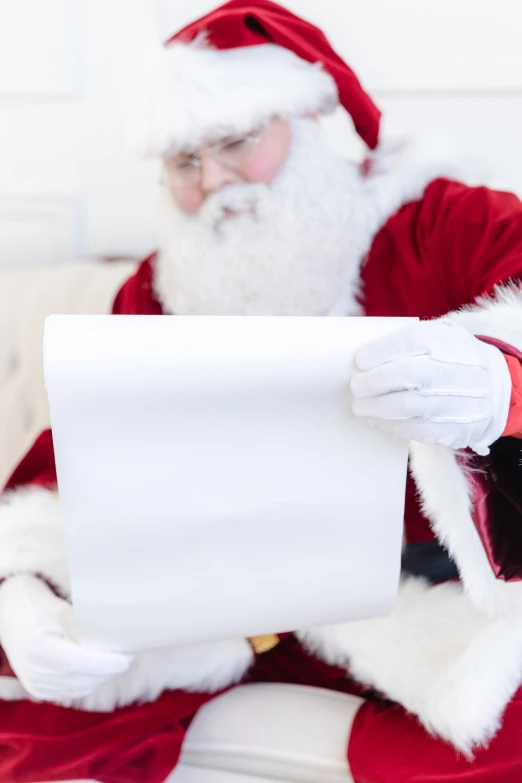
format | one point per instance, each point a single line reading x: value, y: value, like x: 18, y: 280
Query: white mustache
x: 243, y: 199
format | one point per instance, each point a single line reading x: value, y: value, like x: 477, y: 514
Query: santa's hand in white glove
x: 434, y: 383
x: 37, y: 635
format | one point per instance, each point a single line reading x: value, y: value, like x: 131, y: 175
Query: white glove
x: 434, y: 383
x: 38, y: 638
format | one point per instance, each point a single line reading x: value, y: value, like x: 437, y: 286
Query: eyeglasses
x: 232, y: 153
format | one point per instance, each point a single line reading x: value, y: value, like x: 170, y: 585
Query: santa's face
x: 285, y: 244
x: 257, y: 156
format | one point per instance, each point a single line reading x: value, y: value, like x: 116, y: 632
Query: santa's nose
x: 214, y: 176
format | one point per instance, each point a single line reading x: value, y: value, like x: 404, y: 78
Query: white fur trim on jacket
x: 32, y: 536
x: 437, y: 655
x: 185, y: 94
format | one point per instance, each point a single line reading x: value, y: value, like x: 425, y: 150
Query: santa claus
x: 260, y: 216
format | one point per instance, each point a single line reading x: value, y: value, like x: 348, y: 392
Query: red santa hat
x: 235, y: 68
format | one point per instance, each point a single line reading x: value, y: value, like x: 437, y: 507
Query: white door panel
x: 67, y: 187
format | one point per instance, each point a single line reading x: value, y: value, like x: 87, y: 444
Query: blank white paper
x: 213, y: 479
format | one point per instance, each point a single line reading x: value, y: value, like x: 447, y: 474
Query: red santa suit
x: 442, y: 676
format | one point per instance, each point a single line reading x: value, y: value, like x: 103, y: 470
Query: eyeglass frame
x: 253, y: 138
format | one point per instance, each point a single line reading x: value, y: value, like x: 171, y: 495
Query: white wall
x: 67, y: 187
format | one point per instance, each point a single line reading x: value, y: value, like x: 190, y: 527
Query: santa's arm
x: 475, y: 504
x: 442, y: 387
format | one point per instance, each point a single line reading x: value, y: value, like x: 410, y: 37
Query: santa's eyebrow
x: 219, y: 137
x: 186, y: 153
x: 183, y: 152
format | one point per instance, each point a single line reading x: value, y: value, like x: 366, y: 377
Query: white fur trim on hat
x: 185, y: 94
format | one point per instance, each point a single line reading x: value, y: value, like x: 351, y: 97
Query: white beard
x: 291, y: 248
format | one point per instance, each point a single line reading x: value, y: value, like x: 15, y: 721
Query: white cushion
x: 282, y: 732
x: 186, y: 774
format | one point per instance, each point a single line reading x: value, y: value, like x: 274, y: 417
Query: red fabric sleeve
x: 37, y: 467
x: 136, y: 296
x: 472, y: 239
x: 136, y: 744
x: 514, y: 422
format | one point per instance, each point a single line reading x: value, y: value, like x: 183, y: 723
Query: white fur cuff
x: 32, y: 536
x: 206, y: 668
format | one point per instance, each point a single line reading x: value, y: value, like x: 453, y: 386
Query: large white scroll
x: 213, y: 479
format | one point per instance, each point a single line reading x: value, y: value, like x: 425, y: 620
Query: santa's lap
x: 142, y: 743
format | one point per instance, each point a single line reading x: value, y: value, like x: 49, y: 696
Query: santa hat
x: 235, y: 68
